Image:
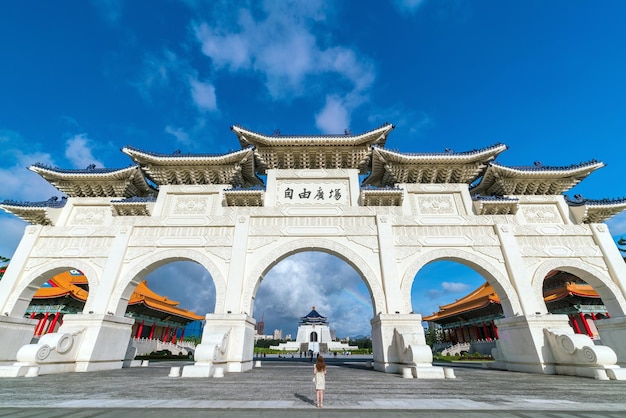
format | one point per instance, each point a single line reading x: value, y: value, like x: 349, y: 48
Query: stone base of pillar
x: 105, y: 340
x: 399, y: 345
x: 227, y: 343
x: 83, y: 343
x: 15, y: 332
x: 521, y: 344
x: 613, y: 334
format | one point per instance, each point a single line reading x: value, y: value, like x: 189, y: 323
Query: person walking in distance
x: 319, y: 377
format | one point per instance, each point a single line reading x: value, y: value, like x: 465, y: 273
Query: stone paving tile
x: 284, y: 388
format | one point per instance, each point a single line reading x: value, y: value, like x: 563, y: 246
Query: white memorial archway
x: 511, y: 224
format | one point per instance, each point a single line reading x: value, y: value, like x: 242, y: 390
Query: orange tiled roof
x: 570, y: 289
x: 479, y: 298
x: 485, y: 295
x: 66, y: 284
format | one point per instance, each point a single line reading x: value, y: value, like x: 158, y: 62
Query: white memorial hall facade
x: 384, y: 212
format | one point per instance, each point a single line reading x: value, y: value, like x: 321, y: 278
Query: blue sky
x: 81, y: 79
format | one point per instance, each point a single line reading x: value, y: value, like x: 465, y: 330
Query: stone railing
x: 146, y: 346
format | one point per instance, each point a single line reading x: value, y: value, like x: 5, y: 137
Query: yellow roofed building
x: 156, y: 316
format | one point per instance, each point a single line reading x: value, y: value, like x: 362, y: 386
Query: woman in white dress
x: 319, y: 377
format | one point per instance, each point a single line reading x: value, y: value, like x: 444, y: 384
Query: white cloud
x: 158, y: 71
x: 19, y: 183
x: 180, y: 135
x: 168, y: 70
x: 301, y: 281
x: 407, y: 7
x: 334, y: 117
x: 203, y: 95
x: 187, y: 283
x: 454, y: 287
x: 78, y: 151
x: 279, y: 44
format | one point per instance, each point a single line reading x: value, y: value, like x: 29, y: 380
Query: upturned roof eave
x: 484, y: 155
x: 178, y: 160
x: 375, y: 136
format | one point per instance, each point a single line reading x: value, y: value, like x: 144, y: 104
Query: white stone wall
x: 387, y: 246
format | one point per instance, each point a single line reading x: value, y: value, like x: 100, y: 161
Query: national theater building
x: 471, y: 319
x: 156, y: 317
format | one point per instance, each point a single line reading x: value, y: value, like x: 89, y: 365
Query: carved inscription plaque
x: 311, y: 192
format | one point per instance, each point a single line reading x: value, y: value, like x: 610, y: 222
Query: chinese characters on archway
x: 319, y: 195
x: 310, y: 193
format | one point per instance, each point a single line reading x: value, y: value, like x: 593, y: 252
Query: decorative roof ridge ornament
x: 495, y: 198
x: 347, y: 132
x: 539, y: 166
x: 448, y: 152
x: 90, y: 169
x: 53, y: 202
x: 581, y: 200
x: 177, y: 154
x: 136, y: 199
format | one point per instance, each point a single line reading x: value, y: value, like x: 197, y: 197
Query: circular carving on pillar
x: 590, y: 354
x: 567, y: 344
x: 64, y: 344
x: 43, y: 352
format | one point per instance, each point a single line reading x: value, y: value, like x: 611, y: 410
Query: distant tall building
x: 260, y: 326
x: 278, y: 334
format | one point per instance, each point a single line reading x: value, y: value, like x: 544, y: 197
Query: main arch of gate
x: 411, y: 216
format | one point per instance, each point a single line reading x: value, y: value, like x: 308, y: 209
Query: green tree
x: 432, y: 336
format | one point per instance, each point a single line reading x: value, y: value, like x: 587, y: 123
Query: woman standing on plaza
x: 319, y: 377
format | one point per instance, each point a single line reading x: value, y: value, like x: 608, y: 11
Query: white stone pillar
x: 236, y: 269
x: 398, y: 342
x: 613, y: 334
x: 227, y: 343
x: 104, y: 341
x: 101, y: 301
x: 517, y: 272
x: 388, y: 265
x: 15, y: 270
x: 16, y: 330
x: 612, y: 257
x: 522, y: 345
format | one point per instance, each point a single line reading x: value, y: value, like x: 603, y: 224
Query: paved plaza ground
x: 284, y: 388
